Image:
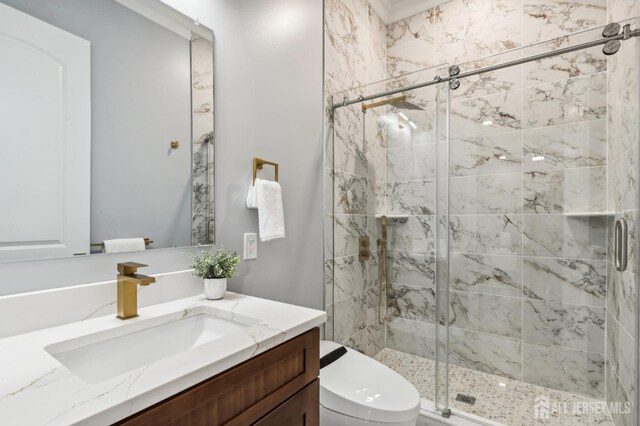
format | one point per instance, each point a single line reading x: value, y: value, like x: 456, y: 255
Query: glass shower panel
x: 349, y: 222
x: 542, y: 163
x: 411, y: 210
x: 485, y: 299
x: 357, y: 295
x: 382, y: 176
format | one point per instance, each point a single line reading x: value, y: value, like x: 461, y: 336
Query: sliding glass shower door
x: 542, y: 170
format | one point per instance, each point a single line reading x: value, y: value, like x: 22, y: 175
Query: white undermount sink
x: 106, y: 354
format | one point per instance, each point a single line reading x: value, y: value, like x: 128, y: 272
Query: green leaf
x: 222, y: 264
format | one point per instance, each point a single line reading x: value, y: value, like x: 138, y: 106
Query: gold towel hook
x: 258, y: 163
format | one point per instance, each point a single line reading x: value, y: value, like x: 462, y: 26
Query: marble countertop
x: 36, y: 389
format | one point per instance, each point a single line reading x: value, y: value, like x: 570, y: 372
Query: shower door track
x: 626, y: 34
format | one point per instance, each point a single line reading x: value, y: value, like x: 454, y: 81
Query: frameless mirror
x: 107, y: 128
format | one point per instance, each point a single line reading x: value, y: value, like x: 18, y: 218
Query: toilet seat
x: 359, y: 386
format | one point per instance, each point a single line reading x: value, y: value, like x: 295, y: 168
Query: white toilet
x: 358, y: 390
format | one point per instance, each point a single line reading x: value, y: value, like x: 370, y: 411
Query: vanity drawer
x: 247, y: 392
x: 302, y: 409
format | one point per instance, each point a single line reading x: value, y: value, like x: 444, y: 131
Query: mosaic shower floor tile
x: 499, y: 399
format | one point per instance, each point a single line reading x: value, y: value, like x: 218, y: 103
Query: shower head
x: 406, y: 105
x: 399, y: 102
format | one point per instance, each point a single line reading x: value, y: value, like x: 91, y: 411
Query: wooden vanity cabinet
x: 278, y: 387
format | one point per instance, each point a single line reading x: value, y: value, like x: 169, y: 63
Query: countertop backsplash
x: 25, y: 312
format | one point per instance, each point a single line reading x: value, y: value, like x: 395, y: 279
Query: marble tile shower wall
x: 622, y: 157
x: 355, y: 175
x: 529, y: 289
x: 202, y: 145
x: 528, y: 281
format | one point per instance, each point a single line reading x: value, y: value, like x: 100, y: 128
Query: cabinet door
x: 302, y: 409
x: 246, y: 393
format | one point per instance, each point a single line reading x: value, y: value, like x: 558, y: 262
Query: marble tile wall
x: 533, y: 296
x: 622, y: 155
x: 202, y: 203
x: 355, y: 174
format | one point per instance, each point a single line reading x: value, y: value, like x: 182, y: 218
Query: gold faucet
x: 128, y: 281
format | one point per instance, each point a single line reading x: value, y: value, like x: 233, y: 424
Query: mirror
x: 107, y: 128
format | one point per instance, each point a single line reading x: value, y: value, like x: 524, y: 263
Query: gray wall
x: 268, y: 66
x: 141, y: 100
x: 268, y: 102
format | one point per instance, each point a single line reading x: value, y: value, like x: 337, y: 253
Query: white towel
x: 124, y: 244
x: 252, y: 197
x: 270, y: 211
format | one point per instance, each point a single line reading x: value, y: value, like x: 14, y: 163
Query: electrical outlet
x: 250, y: 246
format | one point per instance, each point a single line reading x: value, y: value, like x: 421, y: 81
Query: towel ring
x: 258, y: 164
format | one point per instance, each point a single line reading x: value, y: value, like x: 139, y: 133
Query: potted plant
x: 215, y: 269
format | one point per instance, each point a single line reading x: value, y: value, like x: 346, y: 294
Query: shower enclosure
x: 507, y: 190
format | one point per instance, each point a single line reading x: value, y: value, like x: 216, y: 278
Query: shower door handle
x: 620, y: 244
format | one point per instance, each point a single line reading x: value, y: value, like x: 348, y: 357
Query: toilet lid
x: 361, y: 387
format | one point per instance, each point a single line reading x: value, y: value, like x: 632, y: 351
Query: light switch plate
x: 250, y: 246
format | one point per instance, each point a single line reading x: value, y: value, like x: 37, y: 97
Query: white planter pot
x: 215, y: 288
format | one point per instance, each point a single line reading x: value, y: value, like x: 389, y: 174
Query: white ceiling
x: 395, y: 10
